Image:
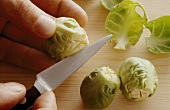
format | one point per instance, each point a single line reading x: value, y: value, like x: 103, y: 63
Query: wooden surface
x: 68, y: 94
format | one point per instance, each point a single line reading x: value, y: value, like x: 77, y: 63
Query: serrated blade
x: 53, y: 76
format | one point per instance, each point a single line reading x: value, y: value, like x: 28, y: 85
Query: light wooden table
x: 68, y: 93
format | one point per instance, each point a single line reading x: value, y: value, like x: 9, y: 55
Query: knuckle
x: 3, y: 23
x: 23, y: 7
x: 27, y: 11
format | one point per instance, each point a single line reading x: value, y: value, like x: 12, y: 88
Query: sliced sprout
x: 125, y: 23
x: 109, y: 4
x: 99, y: 88
x: 68, y: 39
x: 138, y: 77
x: 159, y: 41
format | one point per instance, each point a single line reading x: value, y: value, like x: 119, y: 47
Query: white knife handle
x: 31, y: 95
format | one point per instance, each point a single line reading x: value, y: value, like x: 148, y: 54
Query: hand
x: 24, y: 25
x: 12, y: 93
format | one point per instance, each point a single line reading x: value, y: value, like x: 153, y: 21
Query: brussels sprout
x: 109, y: 4
x: 98, y: 89
x: 138, y: 77
x: 159, y: 40
x: 125, y: 23
x: 68, y: 39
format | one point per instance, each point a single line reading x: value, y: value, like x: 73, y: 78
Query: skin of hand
x: 24, y: 26
x: 14, y: 93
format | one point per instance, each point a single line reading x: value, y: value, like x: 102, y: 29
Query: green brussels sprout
x: 138, y: 77
x: 109, y: 4
x: 125, y: 23
x: 98, y: 89
x: 159, y: 40
x: 68, y: 39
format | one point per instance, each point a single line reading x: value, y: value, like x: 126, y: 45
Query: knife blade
x: 53, y: 76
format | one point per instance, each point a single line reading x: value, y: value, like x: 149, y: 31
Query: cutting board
x: 68, y: 93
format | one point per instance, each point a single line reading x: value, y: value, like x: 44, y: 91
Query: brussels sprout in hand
x: 68, y: 39
x: 98, y: 89
x: 138, y: 77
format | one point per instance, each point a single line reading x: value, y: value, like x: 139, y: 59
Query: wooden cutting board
x: 68, y: 94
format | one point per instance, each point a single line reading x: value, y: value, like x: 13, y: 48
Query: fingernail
x: 45, y: 26
x: 15, y: 87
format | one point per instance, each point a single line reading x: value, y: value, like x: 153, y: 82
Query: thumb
x: 26, y: 15
x: 46, y: 101
x: 10, y: 94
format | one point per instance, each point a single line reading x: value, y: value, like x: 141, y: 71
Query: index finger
x: 67, y: 8
x: 46, y: 101
x: 25, y: 15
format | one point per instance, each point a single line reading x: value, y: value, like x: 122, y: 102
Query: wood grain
x: 67, y: 94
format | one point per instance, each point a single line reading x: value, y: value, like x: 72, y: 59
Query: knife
x: 53, y: 76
